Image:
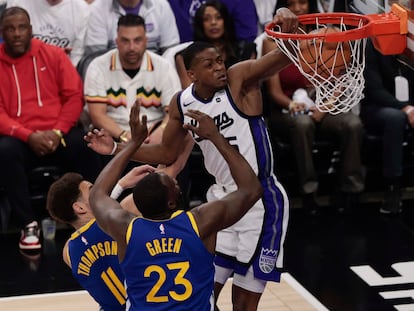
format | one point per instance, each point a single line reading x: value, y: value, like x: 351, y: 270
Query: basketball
x: 325, y: 58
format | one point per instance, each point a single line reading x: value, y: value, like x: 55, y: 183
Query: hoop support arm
x: 389, y: 31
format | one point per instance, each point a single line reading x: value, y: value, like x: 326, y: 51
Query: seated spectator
x: 58, y: 22
x: 243, y: 13
x: 294, y: 118
x: 388, y: 110
x: 40, y: 104
x: 212, y: 23
x: 130, y: 72
x: 115, y: 80
x: 160, y: 24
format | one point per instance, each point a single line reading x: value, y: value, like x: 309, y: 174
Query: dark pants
x: 17, y: 159
x: 344, y: 129
x: 391, y: 124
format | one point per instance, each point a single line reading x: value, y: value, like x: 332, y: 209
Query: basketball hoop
x: 340, y: 90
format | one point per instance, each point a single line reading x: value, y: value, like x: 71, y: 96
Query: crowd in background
x: 89, y: 79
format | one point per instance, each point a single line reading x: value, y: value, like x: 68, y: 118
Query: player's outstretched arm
x: 253, y: 71
x: 214, y: 216
x: 100, y: 141
x: 130, y: 179
x: 166, y: 152
x: 108, y: 212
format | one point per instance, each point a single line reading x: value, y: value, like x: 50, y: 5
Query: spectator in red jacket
x: 40, y: 104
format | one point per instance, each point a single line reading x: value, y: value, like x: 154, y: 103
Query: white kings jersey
x: 247, y: 133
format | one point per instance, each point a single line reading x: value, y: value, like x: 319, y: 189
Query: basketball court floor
x: 361, y: 260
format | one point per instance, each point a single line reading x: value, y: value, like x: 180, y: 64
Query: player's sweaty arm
x: 108, y: 212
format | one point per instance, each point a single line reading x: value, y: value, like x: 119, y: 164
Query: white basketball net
x: 334, y: 94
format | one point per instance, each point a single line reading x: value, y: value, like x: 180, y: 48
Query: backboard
x: 384, y: 6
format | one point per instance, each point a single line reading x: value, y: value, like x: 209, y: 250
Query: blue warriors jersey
x: 167, y: 265
x: 94, y: 259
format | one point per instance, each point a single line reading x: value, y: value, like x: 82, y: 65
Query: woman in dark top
x: 212, y: 23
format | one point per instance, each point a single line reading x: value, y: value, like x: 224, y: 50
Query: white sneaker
x: 29, y: 239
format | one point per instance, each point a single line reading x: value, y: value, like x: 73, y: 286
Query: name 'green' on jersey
x: 168, y: 266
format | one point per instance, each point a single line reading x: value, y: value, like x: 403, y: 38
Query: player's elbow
x: 255, y: 192
x: 169, y: 155
x: 169, y: 158
x: 258, y: 191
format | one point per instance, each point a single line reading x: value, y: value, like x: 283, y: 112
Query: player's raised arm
x: 108, y: 212
x: 166, y: 152
x: 214, y: 216
x: 252, y: 71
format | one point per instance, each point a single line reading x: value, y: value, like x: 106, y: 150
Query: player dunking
x: 167, y: 255
x: 253, y: 247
